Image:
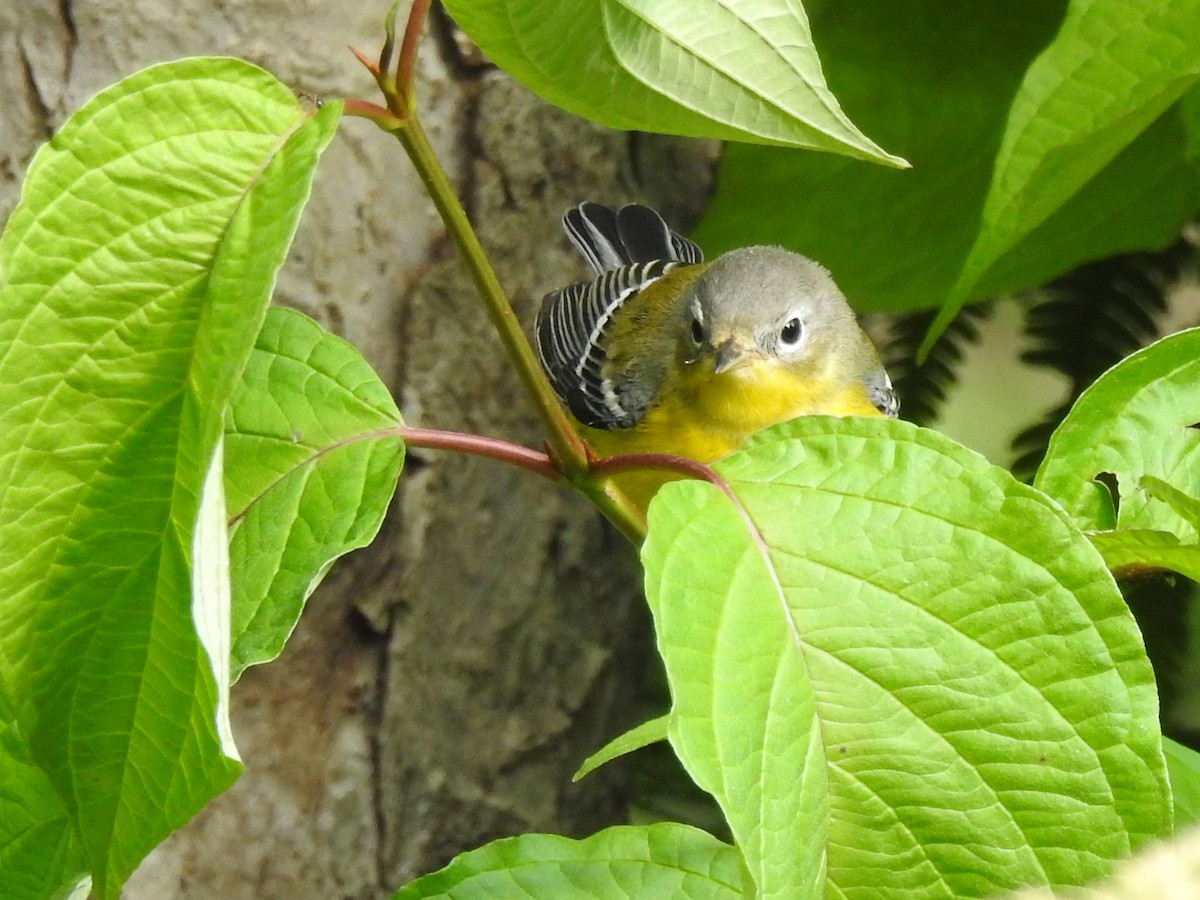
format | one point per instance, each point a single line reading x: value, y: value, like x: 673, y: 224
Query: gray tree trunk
x: 444, y: 683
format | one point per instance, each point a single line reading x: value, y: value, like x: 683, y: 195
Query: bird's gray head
x: 765, y: 303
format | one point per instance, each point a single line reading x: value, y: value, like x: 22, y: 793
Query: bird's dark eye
x: 791, y: 331
x: 697, y: 332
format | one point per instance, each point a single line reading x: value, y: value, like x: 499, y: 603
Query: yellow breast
x: 705, y: 416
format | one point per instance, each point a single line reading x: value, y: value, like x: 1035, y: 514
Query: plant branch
x: 408, y: 50
x: 634, y: 462
x: 568, y: 454
x: 619, y: 510
x: 367, y: 64
x: 565, y: 445
x: 478, y: 445
x: 373, y: 112
x: 625, y: 515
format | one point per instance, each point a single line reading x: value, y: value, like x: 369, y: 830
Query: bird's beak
x: 731, y: 355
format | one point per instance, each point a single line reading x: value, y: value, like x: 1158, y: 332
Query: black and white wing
x: 571, y: 336
x: 632, y: 235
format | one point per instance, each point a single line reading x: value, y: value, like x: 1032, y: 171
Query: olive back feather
x: 572, y: 332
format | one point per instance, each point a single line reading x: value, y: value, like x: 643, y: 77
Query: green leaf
x: 745, y: 71
x: 888, y: 656
x: 1135, y: 421
x: 1113, y: 68
x: 312, y: 459
x: 38, y: 850
x: 1188, y: 508
x: 1183, y: 764
x: 634, y: 739
x: 1132, y: 551
x: 621, y: 863
x: 136, y: 272
x: 955, y: 88
x: 1139, y: 201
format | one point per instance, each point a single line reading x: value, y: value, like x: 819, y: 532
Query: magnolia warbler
x: 664, y: 353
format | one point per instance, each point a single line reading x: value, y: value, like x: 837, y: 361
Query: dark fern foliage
x: 922, y: 388
x: 1088, y: 321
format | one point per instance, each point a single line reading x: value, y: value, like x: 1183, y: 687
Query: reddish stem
x: 631, y: 462
x: 365, y: 109
x: 479, y: 445
x: 366, y: 61
x: 408, y: 49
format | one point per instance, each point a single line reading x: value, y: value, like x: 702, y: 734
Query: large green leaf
x: 623, y: 863
x: 312, y: 459
x: 1026, y: 124
x: 39, y: 852
x: 744, y: 71
x: 1113, y: 68
x: 136, y: 272
x: 901, y: 672
x: 1137, y: 420
x: 1139, y: 201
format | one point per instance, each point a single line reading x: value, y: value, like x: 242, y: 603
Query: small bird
x: 664, y: 353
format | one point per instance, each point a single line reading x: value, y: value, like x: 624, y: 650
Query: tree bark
x: 442, y: 684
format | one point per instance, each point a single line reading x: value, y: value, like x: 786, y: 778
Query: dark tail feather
x: 634, y: 234
x: 644, y: 234
x: 592, y: 228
